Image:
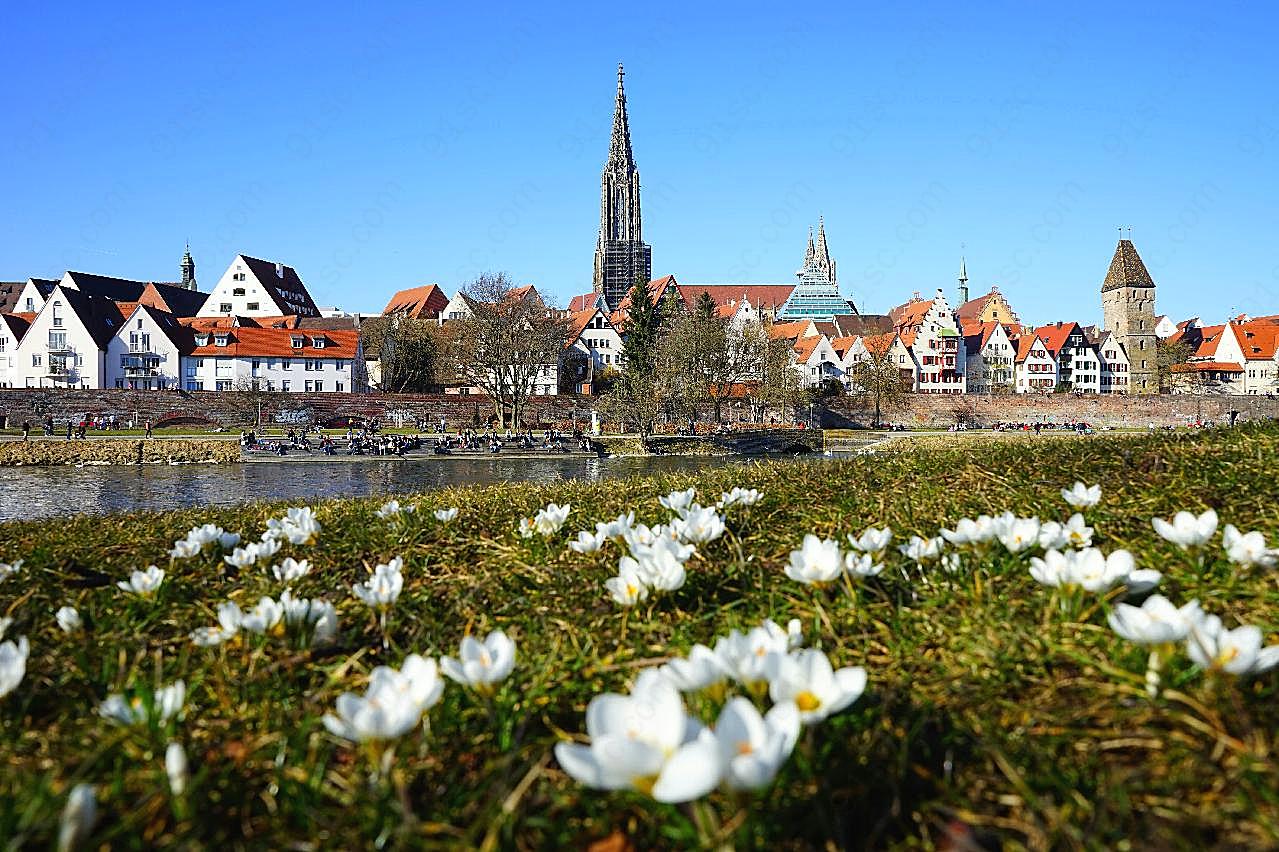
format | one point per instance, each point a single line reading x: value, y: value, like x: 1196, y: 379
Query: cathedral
x: 621, y: 255
x: 816, y: 296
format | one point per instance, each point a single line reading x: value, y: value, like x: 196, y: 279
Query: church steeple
x: 822, y: 252
x: 621, y: 256
x: 188, y: 269
x: 963, y: 281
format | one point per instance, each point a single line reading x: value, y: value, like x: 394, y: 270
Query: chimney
x: 279, y: 270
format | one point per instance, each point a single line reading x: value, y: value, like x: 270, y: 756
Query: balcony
x: 140, y: 349
x: 57, y: 370
x: 137, y: 371
x: 60, y: 348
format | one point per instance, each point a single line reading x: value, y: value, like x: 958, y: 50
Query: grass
x: 988, y: 714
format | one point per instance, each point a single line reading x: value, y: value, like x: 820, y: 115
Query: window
x: 284, y: 385
x: 297, y: 341
x: 286, y: 364
x: 225, y: 307
x: 219, y: 340
x: 339, y: 387
x: 239, y: 276
x: 36, y: 360
x: 252, y: 306
x: 119, y: 383
x: 341, y: 365
x: 257, y: 365
x: 31, y: 305
x: 223, y: 384
x: 317, y: 342
x: 237, y: 291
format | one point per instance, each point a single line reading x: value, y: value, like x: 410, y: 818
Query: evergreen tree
x: 642, y: 327
x: 705, y: 307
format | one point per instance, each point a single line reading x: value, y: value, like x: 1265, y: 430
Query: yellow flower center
x: 807, y: 702
x: 744, y: 747
x: 1226, y: 656
x: 631, y: 590
x: 644, y: 783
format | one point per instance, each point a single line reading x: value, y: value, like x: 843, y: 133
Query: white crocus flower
x: 1078, y: 533
x: 228, y: 540
x: 754, y: 747
x: 660, y: 565
x: 628, y: 587
x: 1248, y: 549
x: 445, y: 516
x: 678, y: 501
x: 298, y: 526
x: 143, y: 583
x: 290, y: 569
x: 383, y: 587
x: 175, y: 767
x: 185, y: 548
x: 526, y: 528
x: 316, y: 619
x: 808, y: 679
x: 644, y: 741
x: 1187, y: 530
x: 1082, y: 496
x: 950, y: 563
x: 862, y: 565
x: 267, y: 547
x: 642, y: 535
x: 392, y: 508
x: 8, y: 569
x: 68, y: 618
x: 549, y: 520
x: 5, y: 624
x: 818, y: 561
x: 739, y: 497
x: 699, y: 525
x: 746, y: 656
x: 1090, y: 570
x: 229, y: 620
x: 78, y: 816
x: 481, y: 665
x: 166, y: 704
x: 1021, y: 534
x: 263, y: 618
x: 1155, y: 622
x: 587, y: 542
x: 616, y: 529
x: 392, y: 704
x: 1053, y: 536
x: 872, y: 541
x: 13, y: 664
x: 1236, y: 652
x: 702, y: 668
x: 242, y: 557
x: 922, y: 550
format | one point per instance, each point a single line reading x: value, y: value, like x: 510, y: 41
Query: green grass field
x: 989, y: 717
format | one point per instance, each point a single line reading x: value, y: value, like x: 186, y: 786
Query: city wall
x: 236, y: 410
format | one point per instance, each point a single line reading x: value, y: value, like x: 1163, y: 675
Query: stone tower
x: 621, y: 255
x: 188, y: 269
x: 1128, y: 311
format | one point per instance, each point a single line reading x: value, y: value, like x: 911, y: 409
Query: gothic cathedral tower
x: 621, y: 255
x: 1128, y: 311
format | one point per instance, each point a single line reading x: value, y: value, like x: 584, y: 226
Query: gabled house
x: 427, y: 302
x: 592, y: 344
x: 1114, y: 363
x: 146, y: 352
x: 13, y: 327
x: 1078, y: 368
x: 992, y: 307
x: 252, y: 287
x: 990, y: 358
x: 1036, y: 366
x: 929, y: 330
x: 816, y: 361
x: 66, y: 342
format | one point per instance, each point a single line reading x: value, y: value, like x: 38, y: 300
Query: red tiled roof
x: 911, y: 313
x: 423, y: 302
x: 804, y: 347
x: 18, y: 323
x: 581, y: 303
x: 795, y: 330
x: 1025, y: 344
x: 1210, y: 339
x: 1258, y: 339
x: 879, y: 343
x: 278, y: 343
x: 1054, y: 335
x: 578, y: 320
x: 842, y: 345
x: 1207, y: 367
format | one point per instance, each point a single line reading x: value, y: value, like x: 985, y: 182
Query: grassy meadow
x: 990, y: 718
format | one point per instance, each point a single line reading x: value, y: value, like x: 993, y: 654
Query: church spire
x: 811, y: 252
x: 188, y: 268
x: 963, y: 281
x: 823, y: 253
x: 619, y: 149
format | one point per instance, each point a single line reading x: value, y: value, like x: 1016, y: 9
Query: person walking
x: 68, y: 429
x: 26, y: 429
x: 148, y: 428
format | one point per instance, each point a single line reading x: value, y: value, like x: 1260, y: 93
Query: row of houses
x: 260, y: 328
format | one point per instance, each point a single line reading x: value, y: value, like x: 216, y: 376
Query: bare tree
x: 1171, y: 366
x: 408, y: 353
x: 877, y: 382
x: 508, y: 345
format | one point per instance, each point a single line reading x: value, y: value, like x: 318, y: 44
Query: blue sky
x: 381, y: 148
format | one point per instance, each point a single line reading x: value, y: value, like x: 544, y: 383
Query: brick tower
x: 1128, y: 311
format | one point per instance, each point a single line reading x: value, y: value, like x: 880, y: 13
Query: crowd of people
x: 368, y: 440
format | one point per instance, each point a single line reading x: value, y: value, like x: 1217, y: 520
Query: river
x: 37, y: 492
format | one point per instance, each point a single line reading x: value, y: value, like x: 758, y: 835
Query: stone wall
x: 235, y: 410
x: 939, y: 411
x: 57, y: 452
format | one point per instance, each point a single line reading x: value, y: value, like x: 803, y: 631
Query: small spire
x: 963, y: 271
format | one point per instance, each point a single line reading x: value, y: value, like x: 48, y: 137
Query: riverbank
x: 121, y: 451
x: 989, y: 713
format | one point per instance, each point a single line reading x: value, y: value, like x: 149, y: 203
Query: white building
x: 1036, y: 366
x: 1114, y: 363
x: 146, y: 352
x: 275, y: 359
x: 930, y: 331
x: 65, y: 345
x: 989, y: 356
x: 259, y: 288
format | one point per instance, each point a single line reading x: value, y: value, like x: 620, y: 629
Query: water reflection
x: 32, y: 492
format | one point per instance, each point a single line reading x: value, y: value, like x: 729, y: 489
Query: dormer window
x: 317, y: 342
x: 219, y: 340
x: 202, y: 340
x: 297, y: 341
